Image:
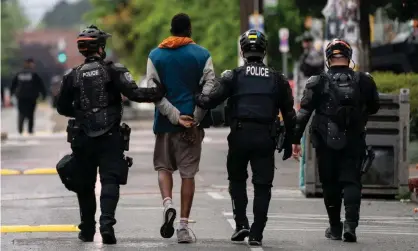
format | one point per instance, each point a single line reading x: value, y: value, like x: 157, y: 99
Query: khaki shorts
x: 173, y: 153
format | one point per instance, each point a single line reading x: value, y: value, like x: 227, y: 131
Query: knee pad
x: 352, y: 194
x: 110, y: 191
x: 237, y: 188
x: 262, y: 189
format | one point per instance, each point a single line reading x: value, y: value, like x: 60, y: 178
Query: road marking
x: 199, y: 178
x: 358, y: 231
x: 325, y: 217
x: 232, y: 223
x: 141, y: 149
x: 216, y: 196
x: 121, y: 207
x: 40, y: 228
x: 37, y: 171
x: 10, y: 172
x: 21, y: 143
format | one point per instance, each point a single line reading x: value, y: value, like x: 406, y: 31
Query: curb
x: 41, y: 171
x: 40, y: 228
x: 34, y: 171
x: 10, y: 172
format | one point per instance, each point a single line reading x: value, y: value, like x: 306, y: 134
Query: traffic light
x: 62, y: 57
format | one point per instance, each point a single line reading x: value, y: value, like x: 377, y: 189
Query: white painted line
x: 358, y: 230
x: 257, y: 249
x: 232, y: 223
x: 120, y: 207
x: 140, y: 149
x: 199, y: 178
x: 323, y: 216
x: 207, y: 139
x: 220, y: 186
x: 216, y: 196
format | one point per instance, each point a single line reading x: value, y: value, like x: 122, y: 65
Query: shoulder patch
x: 228, y: 75
x: 128, y: 76
x: 368, y: 75
x: 68, y: 72
x: 312, y: 81
x: 119, y: 67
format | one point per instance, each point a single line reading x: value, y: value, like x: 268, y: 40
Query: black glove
x: 287, y: 146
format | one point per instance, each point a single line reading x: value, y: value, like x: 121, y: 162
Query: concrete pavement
x: 40, y: 201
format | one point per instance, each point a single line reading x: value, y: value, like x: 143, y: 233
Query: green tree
x: 12, y: 21
x: 66, y: 15
x: 138, y: 26
x: 402, y: 10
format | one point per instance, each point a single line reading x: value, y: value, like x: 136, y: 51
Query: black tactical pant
x: 106, y: 152
x: 251, y: 142
x: 26, y: 108
x: 340, y: 175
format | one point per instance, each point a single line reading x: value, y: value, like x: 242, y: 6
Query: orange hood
x: 173, y: 42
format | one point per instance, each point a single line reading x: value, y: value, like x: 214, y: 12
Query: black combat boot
x: 256, y: 233
x: 350, y: 231
x: 87, y: 202
x: 108, y: 202
x: 108, y: 235
x: 87, y: 231
x: 334, y: 232
x: 238, y: 192
x: 241, y: 232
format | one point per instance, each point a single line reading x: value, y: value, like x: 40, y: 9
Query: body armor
x: 339, y: 110
x: 255, y: 94
x: 98, y: 108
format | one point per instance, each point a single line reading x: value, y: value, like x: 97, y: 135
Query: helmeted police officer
x: 91, y: 93
x: 26, y: 86
x: 256, y: 95
x: 342, y: 100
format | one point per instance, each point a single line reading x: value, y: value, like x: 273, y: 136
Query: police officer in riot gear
x: 342, y: 100
x: 256, y: 95
x: 91, y: 93
x: 26, y: 86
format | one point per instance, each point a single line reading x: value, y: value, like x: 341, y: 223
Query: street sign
x: 256, y: 21
x: 270, y: 3
x: 284, y: 40
x: 61, y: 44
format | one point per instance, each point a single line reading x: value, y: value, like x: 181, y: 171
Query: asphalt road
x: 295, y: 223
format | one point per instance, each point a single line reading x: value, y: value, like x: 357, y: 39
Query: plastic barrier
x: 388, y: 134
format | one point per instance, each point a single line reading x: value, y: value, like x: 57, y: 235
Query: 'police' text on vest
x: 91, y: 73
x: 257, y: 71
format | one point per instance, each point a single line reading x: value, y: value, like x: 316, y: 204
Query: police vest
x: 94, y: 99
x: 255, y: 94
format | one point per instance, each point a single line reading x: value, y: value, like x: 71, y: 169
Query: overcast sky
x: 35, y: 9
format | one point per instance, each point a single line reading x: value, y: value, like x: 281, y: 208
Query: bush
x: 391, y: 83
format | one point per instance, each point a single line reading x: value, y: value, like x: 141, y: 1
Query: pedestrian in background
x: 26, y: 86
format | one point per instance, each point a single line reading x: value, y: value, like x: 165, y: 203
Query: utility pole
x: 248, y: 7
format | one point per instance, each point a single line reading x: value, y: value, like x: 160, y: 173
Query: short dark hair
x: 29, y: 60
x: 181, y: 24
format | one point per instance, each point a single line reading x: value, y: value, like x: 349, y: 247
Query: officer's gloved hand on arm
x: 160, y: 90
x: 287, y: 147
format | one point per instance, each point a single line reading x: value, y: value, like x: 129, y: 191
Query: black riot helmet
x: 337, y: 48
x: 90, y: 40
x: 253, y: 45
